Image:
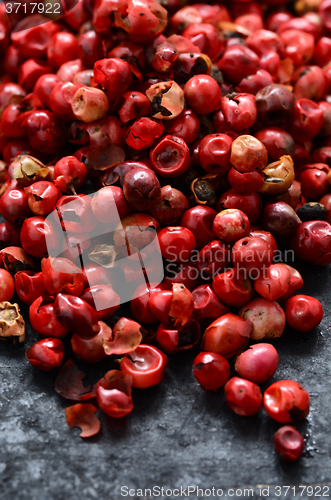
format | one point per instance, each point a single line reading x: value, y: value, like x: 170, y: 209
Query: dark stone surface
x: 178, y: 434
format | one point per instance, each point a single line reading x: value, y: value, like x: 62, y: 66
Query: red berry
x: 211, y: 370
x: 286, y: 401
x: 243, y: 397
x: 46, y: 354
x: 203, y: 94
x: 289, y: 443
x: 258, y: 363
x: 146, y: 365
x: 303, y: 313
x: 231, y: 225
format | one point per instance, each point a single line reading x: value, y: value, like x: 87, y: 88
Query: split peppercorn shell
x: 12, y: 324
x: 278, y: 176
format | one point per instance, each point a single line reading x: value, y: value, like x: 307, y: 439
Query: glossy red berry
x: 231, y: 225
x: 146, y: 365
x: 76, y: 315
x: 207, y: 306
x: 239, y: 110
x: 176, y: 243
x: 89, y: 48
x: 9, y: 235
x: 211, y: 370
x: 44, y: 86
x: 62, y: 48
x: 91, y: 350
x: 311, y: 242
x: 238, y: 62
x: 103, y: 299
x: 114, y: 393
x: 249, y: 203
x: 43, y: 319
x: 286, y: 401
x: 141, y: 189
x: 243, y: 396
x: 170, y: 206
x: 275, y: 105
x: 281, y: 220
x: 245, y: 183
x: 199, y: 220
x: 314, y: 180
x: 233, y: 288
x: 29, y: 286
x: 274, y: 282
x: 227, y: 335
x: 69, y: 173
x: 7, y: 286
x: 62, y: 275
x: 142, y: 133
x: 214, y: 153
x: 42, y: 197
x: 39, y: 237
x: 203, y: 94
x: 277, y: 142
x: 296, y: 282
x: 289, y: 444
x: 303, y: 313
x: 140, y: 302
x: 186, y: 126
x: 165, y: 57
x: 46, y: 354
x: 251, y: 84
x: 307, y: 120
x: 30, y: 70
x: 258, y: 363
x: 213, y: 258
x: 46, y: 132
x: 136, y: 105
x: 114, y: 75
x: 14, y: 206
x: 298, y: 46
x: 170, y: 157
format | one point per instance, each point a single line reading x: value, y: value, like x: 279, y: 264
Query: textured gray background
x: 177, y: 435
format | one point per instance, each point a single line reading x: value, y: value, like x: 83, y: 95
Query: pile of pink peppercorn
x: 180, y: 150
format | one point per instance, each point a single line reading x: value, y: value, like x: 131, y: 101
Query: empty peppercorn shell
x: 16, y: 259
x: 28, y: 167
x: 104, y: 255
x: 204, y: 189
x: 167, y: 99
x: 12, y: 324
x: 278, y: 176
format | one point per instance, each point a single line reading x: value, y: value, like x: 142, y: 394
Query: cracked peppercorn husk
x: 12, y: 324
